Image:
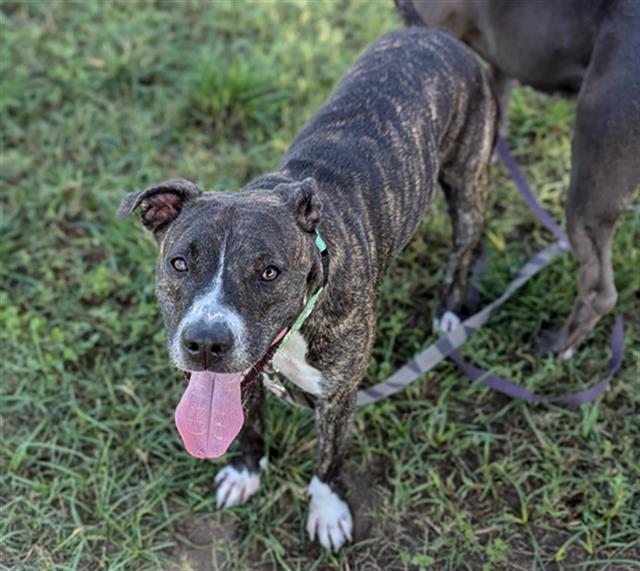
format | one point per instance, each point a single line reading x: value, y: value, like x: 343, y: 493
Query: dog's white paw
x: 568, y: 354
x: 447, y: 323
x: 234, y: 487
x: 329, y: 517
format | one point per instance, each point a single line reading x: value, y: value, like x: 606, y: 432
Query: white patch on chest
x: 291, y: 361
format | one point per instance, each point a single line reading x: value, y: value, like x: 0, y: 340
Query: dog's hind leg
x: 591, y: 238
x: 464, y: 171
x: 467, y: 209
x: 598, y: 193
x: 240, y: 479
x: 465, y: 187
x: 604, y: 175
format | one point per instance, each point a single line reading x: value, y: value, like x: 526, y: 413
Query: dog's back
x: 546, y: 44
x: 414, y: 102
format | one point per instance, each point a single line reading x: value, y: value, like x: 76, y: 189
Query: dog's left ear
x: 160, y: 204
x: 303, y: 198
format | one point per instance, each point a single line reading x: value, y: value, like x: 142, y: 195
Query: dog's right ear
x: 160, y: 204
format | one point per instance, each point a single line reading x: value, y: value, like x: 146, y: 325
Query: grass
x: 100, y: 98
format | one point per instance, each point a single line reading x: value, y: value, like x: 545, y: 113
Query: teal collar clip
x: 308, y: 308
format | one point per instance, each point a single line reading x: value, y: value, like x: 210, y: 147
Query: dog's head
x: 234, y: 269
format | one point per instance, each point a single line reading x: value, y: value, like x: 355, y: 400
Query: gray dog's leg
x: 239, y: 479
x: 605, y: 172
x: 598, y: 194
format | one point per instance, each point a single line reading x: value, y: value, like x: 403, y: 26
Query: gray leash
x: 447, y: 345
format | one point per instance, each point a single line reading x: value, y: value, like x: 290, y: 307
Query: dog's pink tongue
x: 209, y: 415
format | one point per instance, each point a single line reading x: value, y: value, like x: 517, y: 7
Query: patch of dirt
x: 363, y: 496
x: 363, y: 493
x: 203, y: 545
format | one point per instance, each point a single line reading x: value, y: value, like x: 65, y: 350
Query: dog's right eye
x: 269, y: 274
x: 179, y: 264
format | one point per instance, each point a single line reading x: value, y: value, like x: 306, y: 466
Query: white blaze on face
x: 209, y: 308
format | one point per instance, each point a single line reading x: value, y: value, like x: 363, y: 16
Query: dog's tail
x: 408, y: 13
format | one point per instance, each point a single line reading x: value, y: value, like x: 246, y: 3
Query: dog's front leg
x: 329, y: 516
x: 240, y: 479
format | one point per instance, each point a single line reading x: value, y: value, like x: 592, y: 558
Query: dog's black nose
x: 207, y: 343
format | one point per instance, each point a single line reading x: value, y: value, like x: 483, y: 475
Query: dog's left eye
x: 179, y: 264
x: 269, y: 274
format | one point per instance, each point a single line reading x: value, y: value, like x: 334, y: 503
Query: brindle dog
x: 235, y: 269
x: 584, y: 48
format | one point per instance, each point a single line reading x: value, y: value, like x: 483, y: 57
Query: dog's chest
x: 291, y: 361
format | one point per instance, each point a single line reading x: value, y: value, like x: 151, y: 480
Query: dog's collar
x: 311, y: 303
